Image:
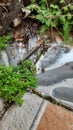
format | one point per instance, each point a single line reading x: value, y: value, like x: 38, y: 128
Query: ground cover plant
x: 15, y: 81
x: 3, y: 41
x: 57, y: 16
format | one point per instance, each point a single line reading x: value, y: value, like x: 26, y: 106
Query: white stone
x: 16, y: 22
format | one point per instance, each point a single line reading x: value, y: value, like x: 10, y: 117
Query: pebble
x: 16, y: 22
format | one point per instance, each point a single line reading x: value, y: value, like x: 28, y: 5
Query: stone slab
x: 22, y: 118
x: 56, y: 118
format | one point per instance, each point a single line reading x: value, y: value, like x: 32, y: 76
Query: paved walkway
x: 37, y: 113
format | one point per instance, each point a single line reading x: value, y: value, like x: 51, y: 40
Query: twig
x: 67, y: 5
x: 50, y: 16
x: 47, y: 3
x: 41, y: 42
x: 3, y: 6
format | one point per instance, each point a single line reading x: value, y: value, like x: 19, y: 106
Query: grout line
x: 38, y: 115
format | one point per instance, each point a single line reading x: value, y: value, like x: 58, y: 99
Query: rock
x: 67, y: 49
x: 16, y: 22
x: 26, y: 11
x: 13, y: 53
x: 0, y: 27
x: 23, y: 45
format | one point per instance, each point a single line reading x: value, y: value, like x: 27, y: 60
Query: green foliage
x: 15, y: 81
x: 53, y: 15
x: 3, y: 41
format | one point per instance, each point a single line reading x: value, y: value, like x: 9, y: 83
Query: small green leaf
x: 62, y: 1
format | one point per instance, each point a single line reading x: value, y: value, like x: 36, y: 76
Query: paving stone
x: 47, y: 89
x: 56, y: 118
x: 63, y: 93
x: 21, y: 118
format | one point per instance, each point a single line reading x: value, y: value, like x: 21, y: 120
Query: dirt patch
x: 56, y: 118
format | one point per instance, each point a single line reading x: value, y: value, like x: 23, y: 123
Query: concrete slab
x: 23, y: 118
x: 56, y: 118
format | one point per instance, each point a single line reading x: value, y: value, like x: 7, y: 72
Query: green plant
x: 3, y: 41
x: 38, y: 55
x: 58, y: 16
x: 14, y: 81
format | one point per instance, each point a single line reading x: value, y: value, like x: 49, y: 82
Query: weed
x: 3, y: 41
x: 14, y: 81
x: 55, y: 16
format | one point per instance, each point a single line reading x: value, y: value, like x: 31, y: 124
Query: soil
x: 56, y: 118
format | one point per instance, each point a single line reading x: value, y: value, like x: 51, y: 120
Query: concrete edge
x: 39, y: 115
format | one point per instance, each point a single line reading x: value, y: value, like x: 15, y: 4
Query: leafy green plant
x: 14, y: 81
x: 3, y: 41
x: 55, y: 16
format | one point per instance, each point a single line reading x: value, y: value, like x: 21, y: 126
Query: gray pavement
x: 55, y: 75
x: 63, y: 93
x: 57, y: 83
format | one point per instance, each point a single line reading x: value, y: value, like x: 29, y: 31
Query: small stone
x: 67, y: 49
x: 42, y: 70
x: 43, y: 94
x: 16, y: 22
x: 0, y: 27
x: 26, y: 11
x: 23, y: 45
x: 13, y: 53
x: 20, y: 44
